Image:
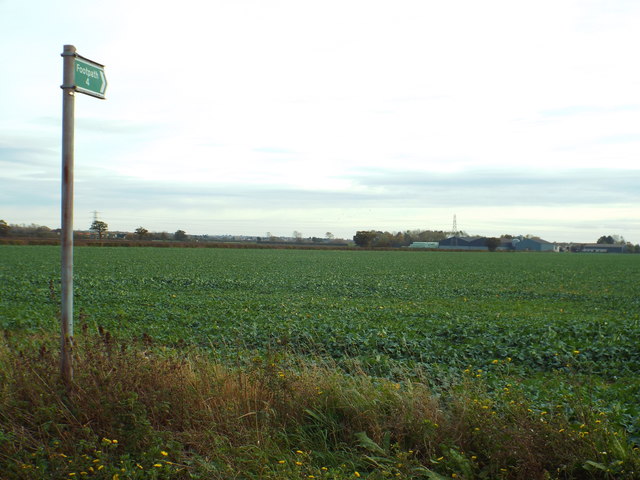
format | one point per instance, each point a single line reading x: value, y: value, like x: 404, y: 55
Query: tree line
x: 99, y: 228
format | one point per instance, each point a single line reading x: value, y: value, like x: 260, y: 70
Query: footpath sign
x: 85, y: 76
x: 89, y: 77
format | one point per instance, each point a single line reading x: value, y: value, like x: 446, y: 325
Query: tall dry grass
x: 140, y: 410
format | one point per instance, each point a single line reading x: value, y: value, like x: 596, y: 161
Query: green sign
x: 89, y: 77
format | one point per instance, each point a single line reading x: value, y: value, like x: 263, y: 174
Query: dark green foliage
x: 99, y: 227
x: 365, y: 238
x: 180, y: 236
x: 493, y: 243
x: 141, y: 232
x: 5, y: 228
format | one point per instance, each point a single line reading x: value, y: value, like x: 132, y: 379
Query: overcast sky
x: 247, y: 116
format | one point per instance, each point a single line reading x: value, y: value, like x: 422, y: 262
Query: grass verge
x: 141, y: 411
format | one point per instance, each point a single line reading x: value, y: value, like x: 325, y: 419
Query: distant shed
x: 535, y: 245
x: 424, y: 245
x: 603, y: 248
x: 463, y: 243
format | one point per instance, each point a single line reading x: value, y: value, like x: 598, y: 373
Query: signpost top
x: 85, y: 76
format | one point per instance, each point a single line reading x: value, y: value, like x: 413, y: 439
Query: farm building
x: 533, y: 245
x: 464, y: 243
x: 602, y: 248
x: 480, y: 243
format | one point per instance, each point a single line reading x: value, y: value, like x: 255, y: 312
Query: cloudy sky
x: 249, y: 116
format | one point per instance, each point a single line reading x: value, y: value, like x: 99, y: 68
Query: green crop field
x: 557, y: 324
x: 433, y: 309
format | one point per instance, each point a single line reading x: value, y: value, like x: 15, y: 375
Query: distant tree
x: 432, y: 236
x: 365, y: 238
x: 398, y: 240
x: 141, y: 232
x: 43, y: 231
x: 329, y: 236
x: 493, y: 243
x: 612, y: 240
x: 5, y: 229
x: 382, y: 239
x: 618, y: 239
x: 180, y: 235
x: 99, y: 227
x: 605, y: 239
x: 297, y: 235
